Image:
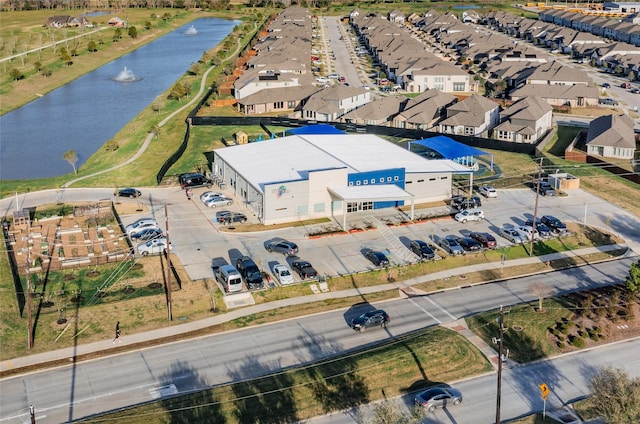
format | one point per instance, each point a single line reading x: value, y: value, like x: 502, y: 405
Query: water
x: 89, y: 111
x: 465, y: 6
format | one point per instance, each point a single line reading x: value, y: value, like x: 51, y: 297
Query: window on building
x: 291, y: 104
x: 373, y: 181
x: 389, y: 179
x: 366, y: 182
x: 408, y: 182
x: 357, y: 183
x: 469, y: 130
x: 458, y: 86
x: 382, y: 180
x: 350, y: 183
x: 420, y: 181
x: 396, y: 178
x: 278, y: 105
x: 444, y: 178
x: 302, y: 210
x: 367, y: 206
x: 432, y: 179
x: 318, y: 207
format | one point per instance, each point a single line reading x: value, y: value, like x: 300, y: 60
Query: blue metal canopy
x: 316, y: 129
x: 451, y: 149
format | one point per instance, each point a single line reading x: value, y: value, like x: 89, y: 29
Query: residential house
x: 116, y: 22
x: 332, y: 102
x: 442, y: 76
x: 611, y: 136
x: 378, y: 112
x: 525, y: 121
x: 58, y: 21
x: 473, y: 116
x: 578, y: 95
x: 424, y: 111
x: 556, y: 73
x: 281, y: 99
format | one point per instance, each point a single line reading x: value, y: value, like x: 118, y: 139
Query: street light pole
x: 499, y: 391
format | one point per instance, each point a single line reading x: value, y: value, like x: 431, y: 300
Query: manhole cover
x: 517, y: 328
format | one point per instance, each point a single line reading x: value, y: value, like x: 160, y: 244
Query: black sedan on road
x: 128, y: 192
x: 377, y: 318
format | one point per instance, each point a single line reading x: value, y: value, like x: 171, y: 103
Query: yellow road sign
x: 545, y: 390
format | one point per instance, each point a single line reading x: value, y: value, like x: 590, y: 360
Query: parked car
x: 513, y: 235
x: 370, y: 319
x: 128, y: 192
x: 528, y: 232
x: 377, y: 258
x: 469, y: 244
x: 462, y: 202
x: 283, y: 274
x: 153, y: 247
x: 626, y: 85
x: 546, y: 189
x: 488, y: 191
x: 194, y: 180
x: 486, y: 240
x: 214, y: 202
x: 635, y: 91
x: 232, y: 217
x: 469, y: 215
x: 554, y: 223
x: 304, y: 269
x: 451, y: 246
x: 542, y: 229
x: 141, y: 224
x: 209, y: 195
x: 605, y: 85
x: 250, y: 272
x: 287, y: 248
x: 422, y: 249
x: 146, y: 234
x: 438, y: 397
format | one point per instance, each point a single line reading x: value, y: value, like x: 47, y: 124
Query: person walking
x: 189, y: 193
x: 117, y: 334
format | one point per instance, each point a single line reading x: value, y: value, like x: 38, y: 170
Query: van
x: 229, y: 277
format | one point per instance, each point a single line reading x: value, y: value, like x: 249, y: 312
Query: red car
x: 486, y: 240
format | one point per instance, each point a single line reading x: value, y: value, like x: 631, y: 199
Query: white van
x: 230, y: 278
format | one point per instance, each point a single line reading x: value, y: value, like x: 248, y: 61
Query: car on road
x: 488, y: 191
x: 377, y: 258
x: 141, y: 224
x: 542, y: 229
x: 422, y: 249
x: 209, y: 195
x: 304, y: 269
x: 605, y: 85
x: 250, y: 272
x: 469, y: 215
x: 153, y: 247
x: 635, y: 91
x: 513, y: 235
x: 287, y: 248
x: 377, y: 318
x: 554, y: 223
x: 469, y: 244
x: 626, y: 85
x: 450, y: 245
x: 283, y: 274
x: 128, y: 192
x: 194, y: 180
x: 486, y: 240
x: 146, y: 234
x: 214, y: 202
x: 438, y: 397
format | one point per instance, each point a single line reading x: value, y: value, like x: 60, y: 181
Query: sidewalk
x: 69, y: 354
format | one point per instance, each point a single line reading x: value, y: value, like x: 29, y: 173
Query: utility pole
x: 499, y: 392
x: 168, y: 253
x: 32, y: 413
x: 28, y: 281
x: 535, y: 209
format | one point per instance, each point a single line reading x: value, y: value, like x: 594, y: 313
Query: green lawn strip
x: 396, y: 367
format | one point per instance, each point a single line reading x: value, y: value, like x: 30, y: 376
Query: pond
x: 89, y: 111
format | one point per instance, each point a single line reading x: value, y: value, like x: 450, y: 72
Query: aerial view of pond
x: 89, y: 111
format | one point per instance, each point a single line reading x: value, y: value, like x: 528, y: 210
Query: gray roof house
x: 378, y: 112
x: 560, y: 95
x: 475, y: 116
x: 611, y: 136
x: 525, y: 121
x: 332, y: 102
x: 276, y: 99
x: 424, y: 111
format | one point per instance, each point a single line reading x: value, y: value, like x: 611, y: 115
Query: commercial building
x: 309, y: 176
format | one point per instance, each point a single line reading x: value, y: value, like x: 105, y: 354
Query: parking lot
x: 197, y: 237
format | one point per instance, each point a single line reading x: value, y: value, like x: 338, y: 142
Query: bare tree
x: 72, y: 157
x: 541, y: 291
x: 616, y: 397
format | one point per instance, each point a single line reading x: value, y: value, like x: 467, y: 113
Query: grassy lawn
x: 396, y: 367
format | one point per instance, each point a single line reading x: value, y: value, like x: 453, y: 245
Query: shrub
x: 565, y: 329
x: 561, y: 345
x: 576, y: 341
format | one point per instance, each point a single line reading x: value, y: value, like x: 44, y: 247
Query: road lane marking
x: 439, y: 307
x: 425, y: 311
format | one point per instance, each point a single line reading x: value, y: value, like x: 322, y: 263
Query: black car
x: 554, y: 223
x: 462, y: 202
x: 542, y: 229
x: 546, y: 189
x: 287, y: 248
x: 370, y: 319
x: 194, y: 180
x: 304, y: 269
x: 231, y: 217
x: 422, y: 249
x: 469, y: 244
x: 128, y: 192
x: 486, y: 240
x: 146, y: 234
x: 250, y: 272
x: 377, y: 258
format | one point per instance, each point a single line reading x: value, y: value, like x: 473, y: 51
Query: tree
x: 133, y: 32
x: 16, y: 74
x: 111, y: 145
x: 155, y: 129
x: 92, y: 46
x: 37, y: 66
x: 541, y: 291
x: 195, y: 69
x: 632, y: 76
x: 147, y: 25
x: 390, y: 412
x: 633, y: 280
x: 615, y: 396
x: 72, y: 157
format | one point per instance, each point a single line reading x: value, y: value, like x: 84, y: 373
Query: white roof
x: 291, y: 158
x: 379, y: 192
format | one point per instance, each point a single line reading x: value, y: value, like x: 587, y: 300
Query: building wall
x: 428, y: 187
x: 384, y: 176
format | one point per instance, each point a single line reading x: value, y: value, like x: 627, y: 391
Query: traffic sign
x: 545, y: 391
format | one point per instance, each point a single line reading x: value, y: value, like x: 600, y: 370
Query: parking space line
x: 425, y: 311
x: 442, y: 309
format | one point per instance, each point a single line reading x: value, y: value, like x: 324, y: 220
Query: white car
x: 529, y: 232
x: 209, y: 195
x: 153, y: 247
x: 218, y: 201
x: 334, y: 76
x: 323, y: 80
x: 488, y: 191
x: 513, y: 235
x: 141, y: 224
x: 469, y: 215
x: 283, y: 274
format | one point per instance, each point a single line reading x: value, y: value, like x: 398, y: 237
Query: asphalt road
x: 82, y: 389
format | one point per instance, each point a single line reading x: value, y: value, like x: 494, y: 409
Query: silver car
x: 141, y: 224
x: 513, y: 235
x: 153, y: 247
x: 451, y: 246
x: 218, y: 201
x: 438, y: 397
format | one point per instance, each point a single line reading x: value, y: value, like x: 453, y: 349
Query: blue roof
x: 448, y: 148
x: 316, y: 129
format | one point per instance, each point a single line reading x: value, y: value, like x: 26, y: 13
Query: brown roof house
x: 332, y: 102
x: 525, y: 121
x: 611, y: 136
x: 378, y: 112
x: 424, y: 111
x: 475, y: 116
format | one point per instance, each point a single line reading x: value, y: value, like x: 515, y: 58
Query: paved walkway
x: 404, y: 286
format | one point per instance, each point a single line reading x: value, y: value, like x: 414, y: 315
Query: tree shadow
x: 266, y: 399
x: 196, y: 405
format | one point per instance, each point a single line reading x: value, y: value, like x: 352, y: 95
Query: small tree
x: 616, y: 397
x: 147, y: 25
x: 390, y: 412
x: 633, y: 280
x: 133, y: 32
x: 37, y: 66
x: 92, y: 46
x: 16, y: 74
x: 111, y: 145
x: 541, y: 291
x: 155, y: 129
x: 72, y: 157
